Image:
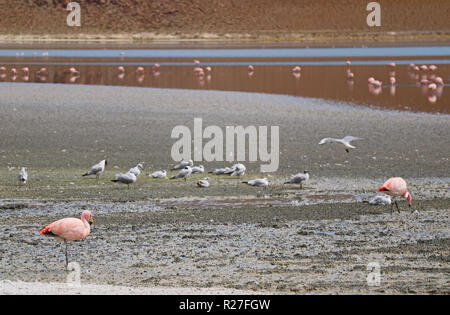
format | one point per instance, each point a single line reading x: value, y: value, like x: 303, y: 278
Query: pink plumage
x: 396, y: 187
x: 69, y: 229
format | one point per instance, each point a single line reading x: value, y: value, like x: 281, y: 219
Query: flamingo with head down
x: 396, y: 187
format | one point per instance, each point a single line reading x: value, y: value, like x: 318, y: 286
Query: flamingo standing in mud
x: 69, y: 229
x: 396, y: 187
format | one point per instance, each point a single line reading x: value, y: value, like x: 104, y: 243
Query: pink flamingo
x: 423, y: 68
x: 251, y: 70
x: 2, y: 68
x: 432, y: 86
x: 73, y: 71
x: 438, y: 81
x: 121, y: 69
x: 392, y: 65
x: 396, y: 187
x: 42, y: 71
x: 197, y: 62
x: 296, y: 69
x: 348, y: 63
x: 377, y: 83
x: 432, y: 98
x: 432, y: 68
x: 350, y: 75
x: 198, y: 70
x: 392, y: 80
x: 69, y: 229
x: 140, y: 70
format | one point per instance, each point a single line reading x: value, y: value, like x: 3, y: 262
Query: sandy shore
x: 160, y: 234
x: 41, y: 288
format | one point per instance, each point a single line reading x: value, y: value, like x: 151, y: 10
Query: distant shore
x: 313, y: 37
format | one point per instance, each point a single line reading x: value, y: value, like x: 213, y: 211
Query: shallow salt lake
x: 323, y: 70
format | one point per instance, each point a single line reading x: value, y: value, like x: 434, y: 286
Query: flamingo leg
x: 67, y: 259
x: 396, y: 205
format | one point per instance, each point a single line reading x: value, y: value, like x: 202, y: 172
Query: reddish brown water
x: 318, y: 81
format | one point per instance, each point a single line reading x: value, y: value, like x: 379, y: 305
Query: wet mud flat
x: 170, y: 233
x: 323, y: 248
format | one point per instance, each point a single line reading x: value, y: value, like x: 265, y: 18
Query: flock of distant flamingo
x: 424, y: 76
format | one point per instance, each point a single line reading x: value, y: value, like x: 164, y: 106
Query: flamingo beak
x: 383, y: 189
x: 91, y: 220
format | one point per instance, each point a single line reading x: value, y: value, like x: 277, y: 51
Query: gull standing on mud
x: 97, y: 169
x: 198, y: 169
x: 183, y: 164
x: 379, y: 200
x: 259, y: 182
x: 396, y: 187
x: 238, y: 170
x: 127, y: 178
x: 159, y: 174
x: 344, y: 141
x: 184, y: 173
x: 69, y: 229
x: 299, y: 178
x: 137, y: 169
x: 203, y: 182
x: 23, y: 175
x: 221, y: 171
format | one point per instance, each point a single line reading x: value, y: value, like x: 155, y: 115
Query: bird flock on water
x: 423, y: 76
x: 72, y: 229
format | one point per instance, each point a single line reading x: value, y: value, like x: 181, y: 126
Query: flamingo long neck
x: 87, y: 226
